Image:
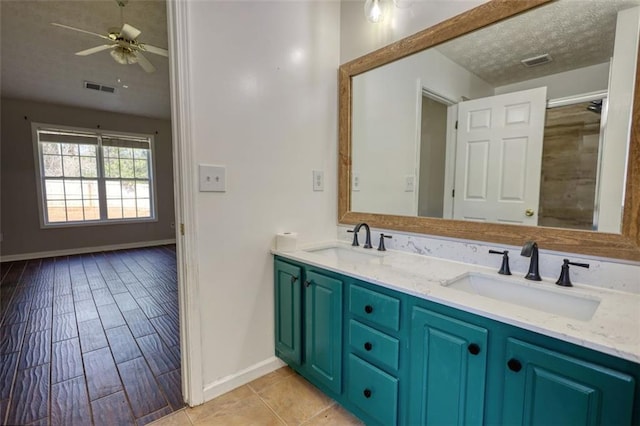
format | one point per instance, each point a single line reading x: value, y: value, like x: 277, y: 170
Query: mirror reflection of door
x: 498, y: 157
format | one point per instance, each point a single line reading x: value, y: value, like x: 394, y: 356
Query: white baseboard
x: 240, y: 378
x: 82, y: 250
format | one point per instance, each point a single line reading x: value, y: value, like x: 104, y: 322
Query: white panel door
x: 498, y: 157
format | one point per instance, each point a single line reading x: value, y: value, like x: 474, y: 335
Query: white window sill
x: 127, y: 221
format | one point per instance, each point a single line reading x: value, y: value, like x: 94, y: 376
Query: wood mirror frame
x: 625, y: 245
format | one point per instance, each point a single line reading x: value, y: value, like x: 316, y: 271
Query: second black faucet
x: 530, y: 249
x: 356, y: 229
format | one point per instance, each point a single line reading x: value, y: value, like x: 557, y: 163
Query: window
x: 93, y: 177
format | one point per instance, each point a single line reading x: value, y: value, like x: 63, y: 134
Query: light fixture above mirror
x: 376, y: 10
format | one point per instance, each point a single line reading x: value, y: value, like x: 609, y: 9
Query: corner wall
x: 263, y: 102
x: 20, y: 223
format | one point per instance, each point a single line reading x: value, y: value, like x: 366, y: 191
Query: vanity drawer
x: 375, y: 307
x: 374, y: 345
x: 373, y: 390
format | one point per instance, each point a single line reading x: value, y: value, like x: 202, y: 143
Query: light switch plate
x: 212, y: 178
x: 318, y: 180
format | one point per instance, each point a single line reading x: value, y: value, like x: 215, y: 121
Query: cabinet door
x: 288, y: 304
x: 323, y: 329
x: 543, y: 387
x: 448, y: 369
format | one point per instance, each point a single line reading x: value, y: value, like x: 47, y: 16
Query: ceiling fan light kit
x: 124, y: 47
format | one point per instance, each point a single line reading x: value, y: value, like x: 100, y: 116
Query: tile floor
x: 91, y: 339
x: 279, y: 398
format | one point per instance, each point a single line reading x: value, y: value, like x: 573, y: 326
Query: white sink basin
x: 560, y: 302
x: 348, y: 254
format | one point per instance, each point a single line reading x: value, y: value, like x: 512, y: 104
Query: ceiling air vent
x: 536, y: 60
x: 99, y: 87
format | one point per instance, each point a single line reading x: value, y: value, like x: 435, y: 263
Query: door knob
x: 529, y: 212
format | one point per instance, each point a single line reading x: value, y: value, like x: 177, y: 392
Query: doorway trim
x: 184, y: 192
x: 450, y: 145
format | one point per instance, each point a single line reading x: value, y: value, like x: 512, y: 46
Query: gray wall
x: 19, y: 220
x: 433, y: 148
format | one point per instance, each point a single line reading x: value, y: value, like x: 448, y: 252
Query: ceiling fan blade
x: 96, y: 49
x: 81, y: 31
x: 144, y: 62
x: 152, y: 49
x: 129, y: 32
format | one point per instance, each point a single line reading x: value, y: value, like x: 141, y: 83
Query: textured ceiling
x: 576, y: 33
x: 38, y: 60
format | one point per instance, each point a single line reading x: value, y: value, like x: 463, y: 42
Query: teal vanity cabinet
x: 394, y: 359
x: 448, y: 369
x: 309, y: 335
x: 323, y: 329
x: 288, y: 302
x: 545, y: 387
x: 373, y: 361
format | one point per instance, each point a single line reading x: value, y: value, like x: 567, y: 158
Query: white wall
x: 386, y: 125
x: 569, y: 83
x: 264, y: 103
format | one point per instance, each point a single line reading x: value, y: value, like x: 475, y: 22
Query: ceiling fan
x: 123, y: 43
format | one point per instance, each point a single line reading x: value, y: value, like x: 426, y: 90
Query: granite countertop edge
x: 614, y: 328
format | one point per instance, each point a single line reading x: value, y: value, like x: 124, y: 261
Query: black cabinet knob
x: 474, y: 349
x: 368, y: 346
x: 368, y: 309
x: 514, y: 365
x: 367, y: 393
x: 307, y: 283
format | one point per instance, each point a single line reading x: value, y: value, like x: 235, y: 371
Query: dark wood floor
x: 90, y: 339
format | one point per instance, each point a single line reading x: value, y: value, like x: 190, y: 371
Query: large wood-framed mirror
x: 624, y: 244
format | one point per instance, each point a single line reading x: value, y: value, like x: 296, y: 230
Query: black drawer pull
x: 368, y: 346
x: 474, y: 349
x: 514, y: 365
x: 367, y: 393
x: 307, y: 283
x: 368, y: 309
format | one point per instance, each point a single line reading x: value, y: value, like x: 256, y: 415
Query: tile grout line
x: 142, y: 355
x: 84, y: 371
x: 19, y: 352
x: 265, y: 403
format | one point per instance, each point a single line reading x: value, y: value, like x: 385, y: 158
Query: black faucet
x: 381, y: 246
x: 504, y: 268
x: 356, y: 229
x: 530, y: 249
x: 564, y: 279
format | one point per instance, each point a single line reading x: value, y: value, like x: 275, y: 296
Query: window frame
x: 100, y: 178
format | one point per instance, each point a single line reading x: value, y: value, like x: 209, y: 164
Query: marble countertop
x: 614, y: 328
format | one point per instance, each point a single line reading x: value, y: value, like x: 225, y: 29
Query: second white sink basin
x: 558, y: 302
x: 348, y: 254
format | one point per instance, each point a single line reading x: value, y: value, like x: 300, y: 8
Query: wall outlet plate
x: 212, y: 178
x: 318, y: 180
x: 409, y: 183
